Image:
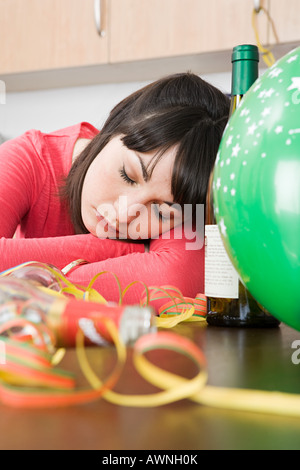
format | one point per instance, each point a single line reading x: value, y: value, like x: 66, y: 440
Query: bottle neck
x: 245, y: 71
x: 244, y: 74
x: 235, y: 103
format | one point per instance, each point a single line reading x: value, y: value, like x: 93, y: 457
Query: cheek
x: 145, y: 225
x: 97, y: 184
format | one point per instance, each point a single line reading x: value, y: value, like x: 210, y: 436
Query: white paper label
x: 221, y: 278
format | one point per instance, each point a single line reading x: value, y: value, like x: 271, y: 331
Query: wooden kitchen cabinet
x: 49, y: 34
x: 146, y: 29
x: 286, y: 17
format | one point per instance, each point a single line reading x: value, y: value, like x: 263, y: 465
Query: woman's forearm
x: 169, y: 262
x: 61, y: 251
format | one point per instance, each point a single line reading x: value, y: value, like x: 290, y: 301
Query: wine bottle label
x: 221, y: 278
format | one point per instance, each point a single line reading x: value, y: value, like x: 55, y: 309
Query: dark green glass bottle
x: 243, y: 310
x: 245, y: 63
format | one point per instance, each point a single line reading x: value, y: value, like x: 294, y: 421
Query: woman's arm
x: 61, y: 251
x: 169, y: 262
x: 16, y: 182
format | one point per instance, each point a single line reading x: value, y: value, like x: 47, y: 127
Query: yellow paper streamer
x: 267, y: 55
x: 180, y: 391
x: 172, y: 386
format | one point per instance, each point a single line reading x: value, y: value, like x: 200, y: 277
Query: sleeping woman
x: 126, y: 199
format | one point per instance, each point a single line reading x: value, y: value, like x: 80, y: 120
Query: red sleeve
x: 169, y: 262
x: 61, y: 251
x: 16, y: 171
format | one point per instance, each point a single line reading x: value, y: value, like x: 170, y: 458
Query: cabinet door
x: 144, y: 29
x: 49, y: 34
x: 286, y: 17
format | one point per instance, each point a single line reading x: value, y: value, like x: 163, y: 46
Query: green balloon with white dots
x: 257, y: 189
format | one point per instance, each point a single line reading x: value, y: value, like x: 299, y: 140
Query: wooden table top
x: 257, y: 359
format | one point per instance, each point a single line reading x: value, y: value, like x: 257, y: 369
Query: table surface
x: 256, y: 359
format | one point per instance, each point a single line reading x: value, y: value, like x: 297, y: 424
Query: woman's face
x: 120, y: 200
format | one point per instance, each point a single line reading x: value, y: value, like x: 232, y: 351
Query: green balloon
x: 257, y: 189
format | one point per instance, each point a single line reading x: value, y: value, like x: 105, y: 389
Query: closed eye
x: 125, y: 177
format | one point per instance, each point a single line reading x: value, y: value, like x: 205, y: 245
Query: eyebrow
x: 147, y: 177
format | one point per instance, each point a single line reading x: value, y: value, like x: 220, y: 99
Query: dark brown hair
x: 181, y: 110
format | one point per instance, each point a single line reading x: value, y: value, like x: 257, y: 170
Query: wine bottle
x: 229, y: 302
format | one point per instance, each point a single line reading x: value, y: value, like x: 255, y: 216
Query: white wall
x: 50, y: 110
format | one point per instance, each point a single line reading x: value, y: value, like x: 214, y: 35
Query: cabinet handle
x: 257, y: 6
x: 99, y: 13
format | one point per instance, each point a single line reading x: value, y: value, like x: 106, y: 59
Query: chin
x: 102, y: 234
x: 91, y: 229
